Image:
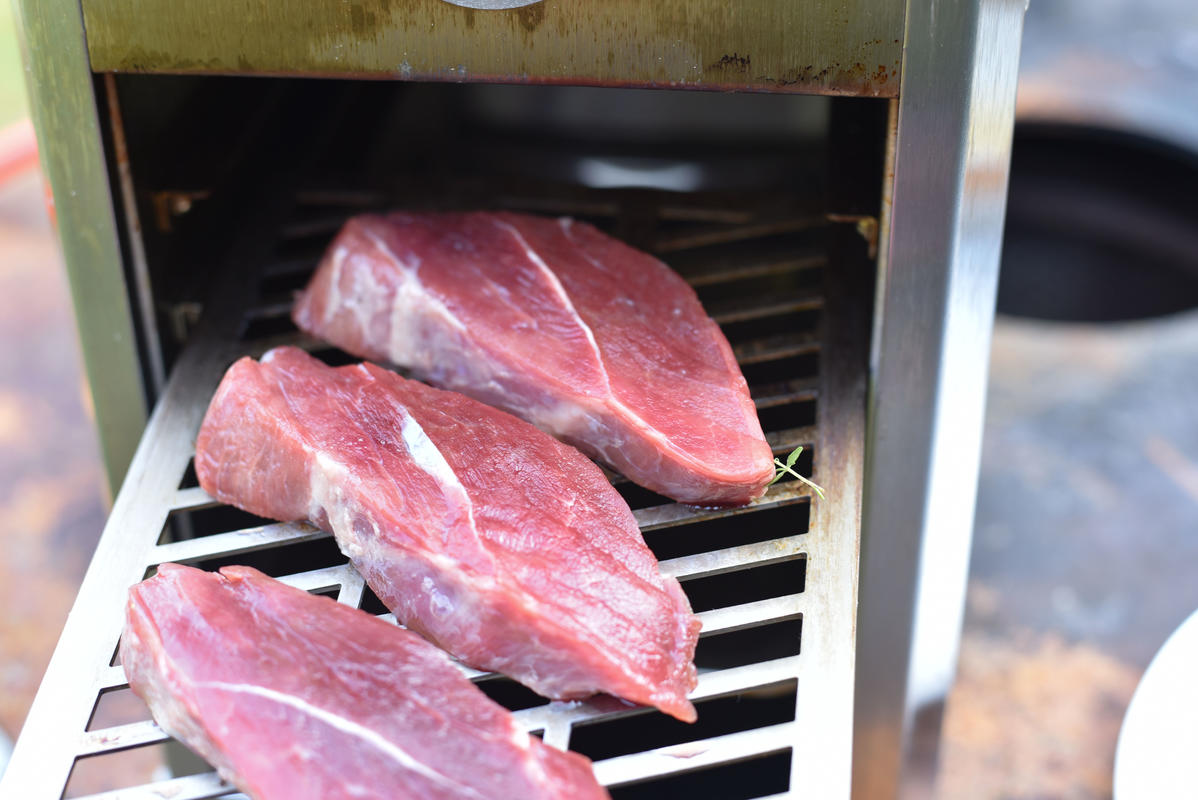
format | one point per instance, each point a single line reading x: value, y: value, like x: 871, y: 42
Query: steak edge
x: 293, y: 696
x: 495, y: 541
x: 593, y: 341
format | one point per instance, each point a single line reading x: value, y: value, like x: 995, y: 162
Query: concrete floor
x: 51, y: 491
x: 1086, y: 542
x: 1085, y: 549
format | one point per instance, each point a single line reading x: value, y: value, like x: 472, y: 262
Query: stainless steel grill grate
x: 774, y: 583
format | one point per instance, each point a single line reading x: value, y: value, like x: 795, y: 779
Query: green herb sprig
x: 781, y: 469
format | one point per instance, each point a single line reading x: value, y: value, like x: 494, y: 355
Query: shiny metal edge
x: 821, y: 763
x: 934, y: 319
x: 63, y: 106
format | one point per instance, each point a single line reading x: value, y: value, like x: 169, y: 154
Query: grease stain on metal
x: 733, y: 62
x: 531, y: 17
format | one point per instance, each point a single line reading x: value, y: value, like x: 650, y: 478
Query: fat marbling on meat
x: 589, y: 339
x: 495, y: 541
x: 292, y: 696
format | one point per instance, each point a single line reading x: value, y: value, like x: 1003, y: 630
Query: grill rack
x: 153, y: 509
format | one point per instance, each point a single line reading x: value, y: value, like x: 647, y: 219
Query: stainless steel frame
x: 931, y: 349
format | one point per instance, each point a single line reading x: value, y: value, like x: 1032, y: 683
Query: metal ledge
x: 826, y: 47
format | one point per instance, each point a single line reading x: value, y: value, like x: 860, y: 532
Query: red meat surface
x: 591, y: 340
x: 497, y: 542
x: 294, y: 696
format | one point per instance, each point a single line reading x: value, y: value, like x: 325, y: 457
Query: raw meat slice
x: 497, y: 542
x: 591, y: 340
x: 294, y: 696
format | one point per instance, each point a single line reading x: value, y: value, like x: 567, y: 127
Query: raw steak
x: 595, y: 342
x: 295, y: 696
x: 497, y: 542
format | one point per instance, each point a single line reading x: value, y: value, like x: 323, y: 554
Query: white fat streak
x: 618, y: 406
x: 560, y: 291
x: 346, y: 726
x: 406, y: 345
x: 426, y: 456
x: 359, y: 300
x: 327, y: 494
x: 326, y: 481
x: 333, y: 302
x: 324, y: 492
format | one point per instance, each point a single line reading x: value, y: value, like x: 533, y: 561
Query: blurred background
x: 52, y: 499
x: 1086, y: 536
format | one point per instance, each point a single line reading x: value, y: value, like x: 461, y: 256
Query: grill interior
x: 774, y: 583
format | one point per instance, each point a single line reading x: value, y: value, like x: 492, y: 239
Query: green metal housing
x: 63, y: 104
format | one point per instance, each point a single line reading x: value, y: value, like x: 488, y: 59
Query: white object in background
x: 5, y: 751
x: 1158, y: 744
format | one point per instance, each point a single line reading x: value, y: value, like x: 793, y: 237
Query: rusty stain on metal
x: 867, y: 228
x: 169, y: 204
x: 820, y: 46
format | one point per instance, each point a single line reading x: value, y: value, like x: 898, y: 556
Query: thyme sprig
x: 781, y: 469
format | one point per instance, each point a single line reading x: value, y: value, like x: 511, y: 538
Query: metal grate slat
x: 111, y: 678
x: 695, y: 755
x: 191, y: 499
x: 726, y: 271
x: 731, y: 681
x: 321, y: 580
x: 122, y: 737
x: 788, y: 439
x: 671, y: 514
x: 747, y: 615
x: 746, y: 556
x: 743, y: 310
x: 192, y: 787
x: 786, y: 392
x: 245, y: 540
x: 771, y: 348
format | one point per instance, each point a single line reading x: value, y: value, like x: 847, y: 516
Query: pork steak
x: 497, y: 542
x: 293, y: 696
x: 589, y: 339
